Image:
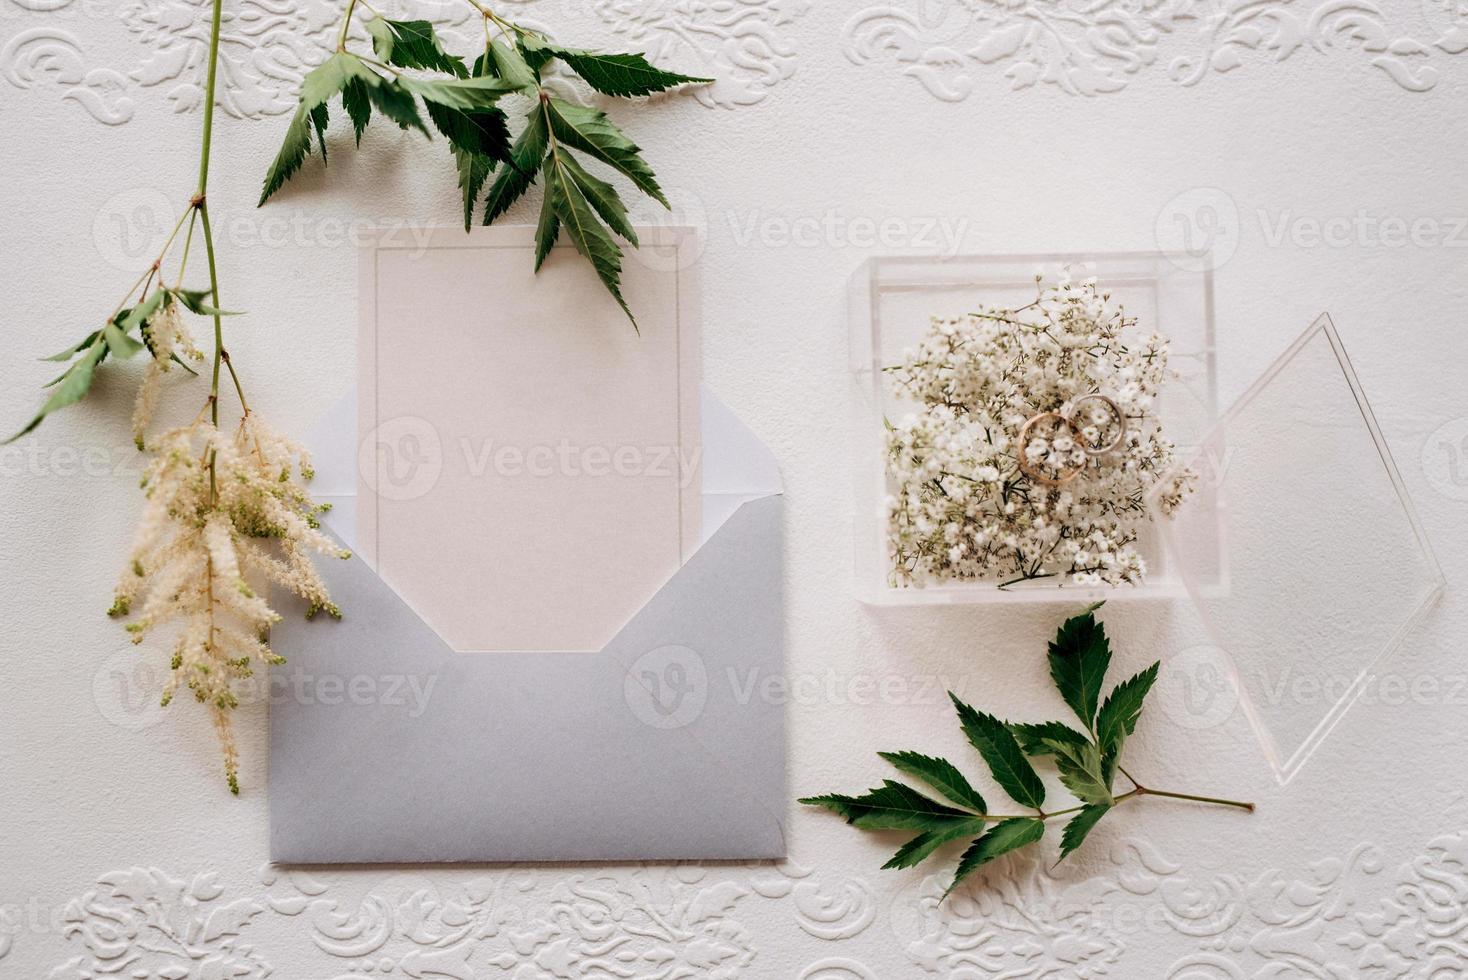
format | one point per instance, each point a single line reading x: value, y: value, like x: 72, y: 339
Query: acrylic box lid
x: 1322, y: 567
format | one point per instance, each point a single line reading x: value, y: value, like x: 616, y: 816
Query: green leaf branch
x: 125, y: 332
x: 462, y: 102
x: 1087, y: 761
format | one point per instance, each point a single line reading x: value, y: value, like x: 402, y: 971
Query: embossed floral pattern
x: 672, y: 922
x: 1095, y: 48
x: 146, y: 925
x: 1021, y: 922
x: 269, y: 45
x: 655, y: 922
x: 742, y: 44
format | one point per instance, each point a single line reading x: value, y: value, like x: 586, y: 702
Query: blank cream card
x: 529, y: 462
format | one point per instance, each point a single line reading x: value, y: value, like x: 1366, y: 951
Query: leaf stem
x: 341, y: 38
x: 1137, y: 791
x: 1147, y: 791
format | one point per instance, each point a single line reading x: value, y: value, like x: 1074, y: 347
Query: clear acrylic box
x: 1327, y: 567
x: 890, y: 303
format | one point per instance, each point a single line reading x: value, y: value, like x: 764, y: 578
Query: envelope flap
x: 660, y: 747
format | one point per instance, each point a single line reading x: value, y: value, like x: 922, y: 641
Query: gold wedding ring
x: 1028, y: 469
x: 1116, y: 413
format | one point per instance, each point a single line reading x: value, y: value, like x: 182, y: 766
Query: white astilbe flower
x: 220, y: 509
x: 963, y: 509
x: 166, y: 336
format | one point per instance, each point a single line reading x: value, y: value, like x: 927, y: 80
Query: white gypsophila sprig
x: 221, y: 510
x: 963, y: 508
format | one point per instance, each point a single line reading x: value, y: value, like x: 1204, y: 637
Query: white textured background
x: 1024, y: 126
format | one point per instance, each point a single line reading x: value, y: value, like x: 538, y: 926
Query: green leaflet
x: 1035, y: 739
x: 940, y: 774
x: 1079, y: 656
x: 197, y: 301
x: 76, y: 348
x: 579, y: 220
x: 920, y: 847
x: 358, y: 104
x: 602, y: 195
x: 1081, y: 772
x: 1006, y: 761
x: 510, y: 65
x: 481, y: 133
x: 548, y: 230
x: 396, y: 103
x: 119, y: 344
x: 1118, y: 716
x: 318, y: 86
x: 590, y: 131
x: 144, y: 311
x: 71, y: 386
x: 891, y: 806
x: 1079, y: 826
x: 477, y: 94
x: 479, y: 139
x: 1010, y: 835
x: 613, y: 74
x: 412, y: 44
x: 525, y: 160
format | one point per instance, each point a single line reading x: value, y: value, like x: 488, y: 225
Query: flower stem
x: 1030, y: 577
x: 201, y: 203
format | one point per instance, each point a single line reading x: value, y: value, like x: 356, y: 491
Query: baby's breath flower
x: 953, y: 466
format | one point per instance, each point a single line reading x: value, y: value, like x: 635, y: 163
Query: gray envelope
x: 388, y: 746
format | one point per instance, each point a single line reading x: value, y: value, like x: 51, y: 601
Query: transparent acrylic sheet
x: 1324, y: 567
x: 891, y: 300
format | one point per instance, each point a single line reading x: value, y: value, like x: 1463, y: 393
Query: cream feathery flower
x: 166, y: 337
x: 219, y: 509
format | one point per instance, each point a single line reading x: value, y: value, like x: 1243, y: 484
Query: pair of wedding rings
x: 1036, y: 473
